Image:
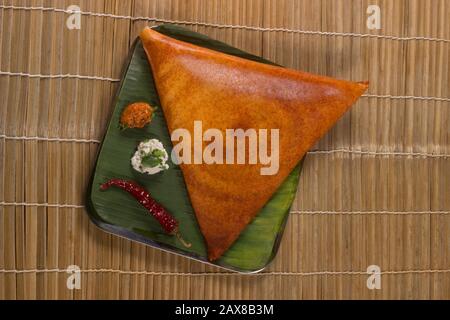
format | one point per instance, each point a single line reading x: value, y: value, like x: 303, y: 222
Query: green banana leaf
x: 117, y: 212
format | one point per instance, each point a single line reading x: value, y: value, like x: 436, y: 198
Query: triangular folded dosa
x: 227, y: 92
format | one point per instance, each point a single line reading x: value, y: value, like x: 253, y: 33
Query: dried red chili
x: 165, y: 219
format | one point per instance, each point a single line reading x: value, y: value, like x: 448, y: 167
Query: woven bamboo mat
x: 375, y: 192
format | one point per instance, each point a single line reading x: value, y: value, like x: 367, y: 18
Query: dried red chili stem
x: 165, y: 219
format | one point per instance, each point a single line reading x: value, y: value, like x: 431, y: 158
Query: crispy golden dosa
x: 227, y: 92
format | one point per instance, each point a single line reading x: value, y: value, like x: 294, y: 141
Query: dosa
x: 228, y: 92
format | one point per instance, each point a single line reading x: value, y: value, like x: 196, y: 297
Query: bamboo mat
x: 375, y: 192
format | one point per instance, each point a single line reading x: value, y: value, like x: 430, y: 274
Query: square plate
x: 115, y: 211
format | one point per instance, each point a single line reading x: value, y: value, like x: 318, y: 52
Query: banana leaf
x: 115, y: 211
